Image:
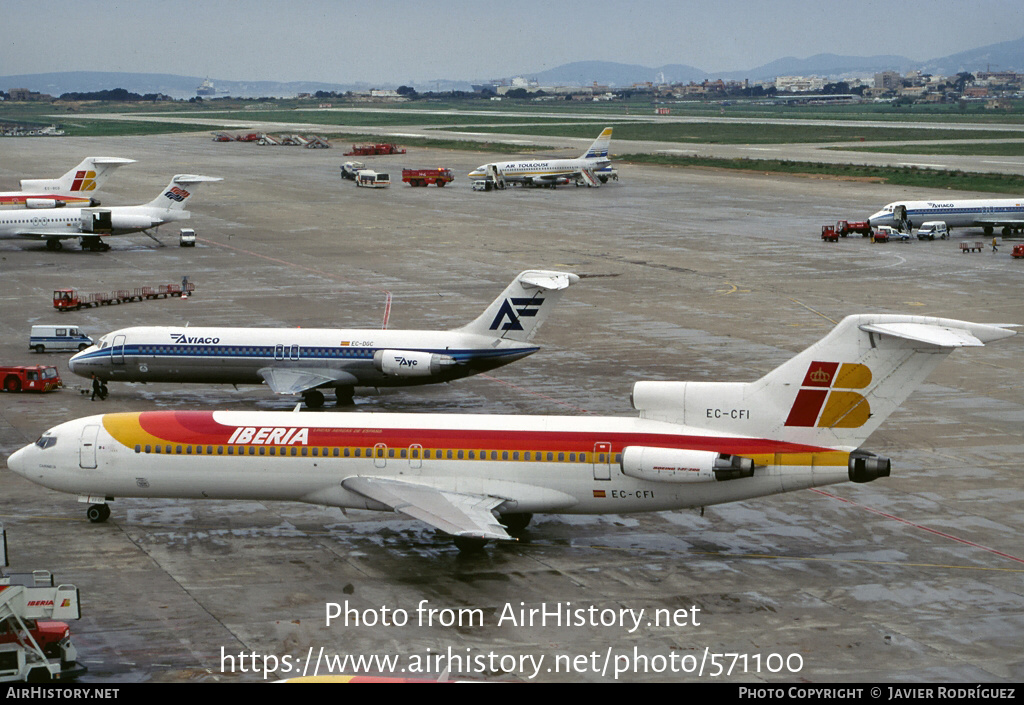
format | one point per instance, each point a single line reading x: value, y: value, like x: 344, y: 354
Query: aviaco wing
x: 995, y: 221
x: 457, y: 513
x: 282, y: 380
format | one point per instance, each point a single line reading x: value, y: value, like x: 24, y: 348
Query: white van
x: 372, y: 179
x: 187, y: 237
x: 933, y: 229
x: 43, y: 338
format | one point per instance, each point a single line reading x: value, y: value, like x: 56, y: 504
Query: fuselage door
x: 87, y: 446
x: 117, y: 350
x: 602, y: 461
x: 380, y: 455
x: 415, y: 457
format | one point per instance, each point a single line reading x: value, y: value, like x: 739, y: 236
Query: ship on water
x: 206, y: 88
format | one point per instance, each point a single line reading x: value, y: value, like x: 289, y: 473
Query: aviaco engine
x: 674, y: 465
x: 44, y: 203
x: 410, y: 363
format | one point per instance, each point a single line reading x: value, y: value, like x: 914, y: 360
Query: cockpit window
x: 45, y: 442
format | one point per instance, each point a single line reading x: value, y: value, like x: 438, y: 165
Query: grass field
x: 986, y: 149
x: 902, y: 176
x: 755, y: 133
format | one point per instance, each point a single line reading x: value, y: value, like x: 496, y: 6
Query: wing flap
x: 455, y: 513
x: 287, y: 380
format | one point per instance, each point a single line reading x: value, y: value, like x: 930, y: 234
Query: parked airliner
x: 472, y: 475
x: 75, y: 188
x: 91, y: 225
x: 306, y: 360
x: 987, y: 213
x: 591, y: 168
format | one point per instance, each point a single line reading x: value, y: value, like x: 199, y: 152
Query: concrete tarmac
x: 688, y: 274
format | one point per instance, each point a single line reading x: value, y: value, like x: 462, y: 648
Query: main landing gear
x: 53, y: 245
x: 98, y: 513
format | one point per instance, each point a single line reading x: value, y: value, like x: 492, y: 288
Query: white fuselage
x: 534, y: 463
x: 993, y: 212
x: 541, y: 170
x: 73, y: 222
x: 236, y: 355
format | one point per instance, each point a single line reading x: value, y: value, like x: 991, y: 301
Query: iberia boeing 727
x: 479, y: 477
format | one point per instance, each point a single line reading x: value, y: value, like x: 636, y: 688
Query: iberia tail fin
x: 833, y: 394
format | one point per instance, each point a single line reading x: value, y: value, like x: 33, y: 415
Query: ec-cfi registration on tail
x: 480, y: 477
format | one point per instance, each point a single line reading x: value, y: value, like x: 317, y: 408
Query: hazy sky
x: 338, y: 41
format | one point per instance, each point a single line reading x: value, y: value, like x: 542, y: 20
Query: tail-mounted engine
x: 410, y: 363
x: 674, y: 465
x: 865, y: 466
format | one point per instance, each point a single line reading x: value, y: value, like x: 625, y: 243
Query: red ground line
x: 919, y: 526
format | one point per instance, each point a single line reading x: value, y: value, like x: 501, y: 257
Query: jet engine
x: 865, y: 466
x: 674, y: 465
x: 44, y: 203
x: 410, y: 363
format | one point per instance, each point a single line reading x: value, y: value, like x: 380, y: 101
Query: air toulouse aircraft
x: 72, y: 189
x: 694, y: 444
x: 987, y: 213
x: 305, y: 360
x: 551, y: 172
x: 92, y: 224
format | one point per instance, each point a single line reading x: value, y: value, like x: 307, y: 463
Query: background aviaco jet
x: 92, y: 224
x: 991, y: 213
x: 75, y: 188
x: 305, y: 360
x: 551, y: 172
x: 479, y: 477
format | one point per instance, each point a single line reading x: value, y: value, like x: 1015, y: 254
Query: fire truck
x: 35, y: 645
x: 30, y: 378
x: 425, y: 177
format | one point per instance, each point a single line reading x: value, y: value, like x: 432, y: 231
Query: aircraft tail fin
x: 178, y: 192
x: 833, y: 394
x: 524, y: 305
x: 599, y: 149
x: 84, y: 178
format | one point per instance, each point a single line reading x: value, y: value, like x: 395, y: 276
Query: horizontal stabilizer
x: 283, y: 380
x: 552, y: 281
x: 944, y: 336
x: 455, y: 513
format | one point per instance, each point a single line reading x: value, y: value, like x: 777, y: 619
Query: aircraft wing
x: 455, y: 513
x: 288, y: 380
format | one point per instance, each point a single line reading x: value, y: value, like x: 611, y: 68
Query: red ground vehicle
x: 371, y: 149
x: 425, y: 177
x: 30, y: 378
x: 880, y: 236
x: 1018, y: 251
x: 829, y: 234
x: 847, y: 227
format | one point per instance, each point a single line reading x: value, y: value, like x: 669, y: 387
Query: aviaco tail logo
x: 513, y: 309
x: 84, y: 181
x: 177, y: 194
x: 824, y: 399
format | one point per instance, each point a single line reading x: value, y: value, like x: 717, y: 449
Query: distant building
x: 25, y: 94
x: 887, y: 81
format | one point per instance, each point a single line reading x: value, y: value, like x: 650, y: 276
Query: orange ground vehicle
x: 30, y: 378
x: 425, y: 177
x: 71, y: 300
x: 848, y: 227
